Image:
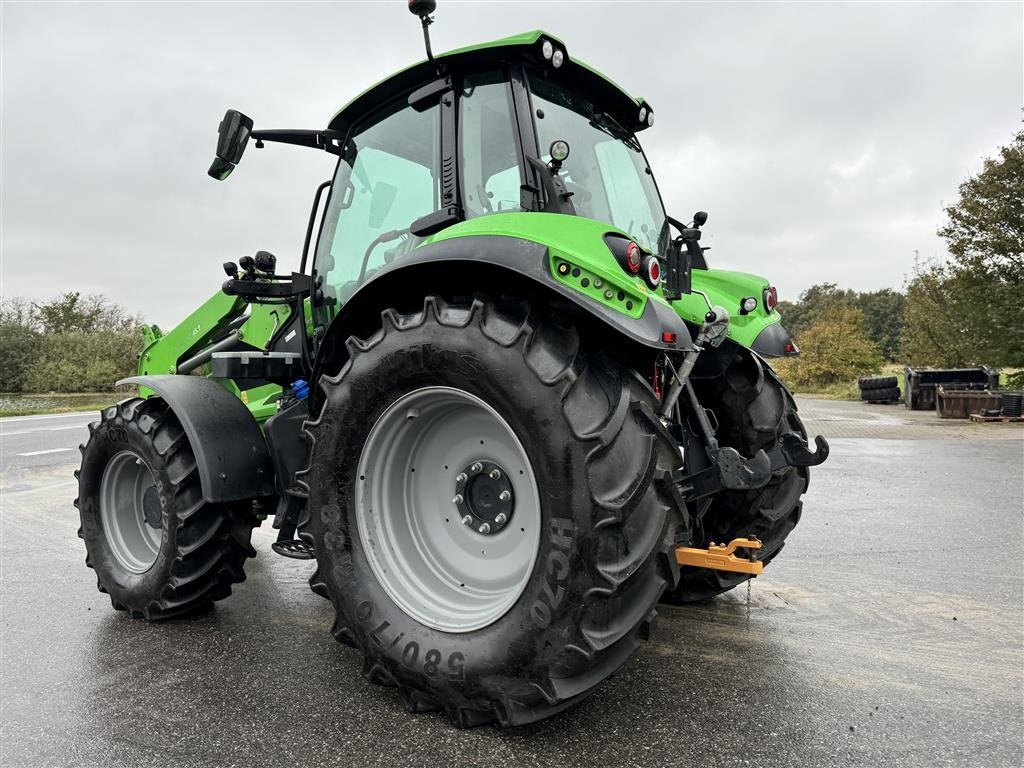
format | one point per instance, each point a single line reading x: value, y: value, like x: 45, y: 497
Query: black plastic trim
x: 772, y: 341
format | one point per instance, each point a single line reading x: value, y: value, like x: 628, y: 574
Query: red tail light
x: 653, y: 271
x: 633, y: 257
x: 771, y: 298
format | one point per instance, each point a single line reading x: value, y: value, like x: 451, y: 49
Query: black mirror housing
x: 232, y: 136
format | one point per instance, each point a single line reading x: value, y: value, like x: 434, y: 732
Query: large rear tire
x: 754, y: 409
x: 592, y: 501
x: 158, y: 548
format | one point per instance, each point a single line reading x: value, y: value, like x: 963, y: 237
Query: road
x: 889, y: 633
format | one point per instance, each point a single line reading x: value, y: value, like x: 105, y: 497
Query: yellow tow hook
x: 720, y: 557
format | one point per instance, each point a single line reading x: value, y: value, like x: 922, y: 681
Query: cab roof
x: 520, y: 48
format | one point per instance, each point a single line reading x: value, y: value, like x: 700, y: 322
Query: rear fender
x: 496, y: 265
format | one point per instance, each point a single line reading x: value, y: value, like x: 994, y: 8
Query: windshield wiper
x: 605, y: 122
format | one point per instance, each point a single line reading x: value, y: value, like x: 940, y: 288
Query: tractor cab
x: 508, y: 127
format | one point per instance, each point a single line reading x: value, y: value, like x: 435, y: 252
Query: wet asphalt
x: 889, y: 633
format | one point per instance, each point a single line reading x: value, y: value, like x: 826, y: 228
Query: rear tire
x: 754, y: 409
x: 158, y: 547
x: 606, y: 517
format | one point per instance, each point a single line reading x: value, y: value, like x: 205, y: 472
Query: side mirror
x: 232, y: 136
x: 700, y: 218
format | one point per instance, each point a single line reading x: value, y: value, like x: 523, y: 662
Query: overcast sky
x: 822, y: 138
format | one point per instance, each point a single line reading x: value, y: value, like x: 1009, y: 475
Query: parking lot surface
x: 889, y: 633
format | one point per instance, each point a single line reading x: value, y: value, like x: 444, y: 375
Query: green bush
x: 19, y: 348
x: 83, y: 362
x: 834, y: 350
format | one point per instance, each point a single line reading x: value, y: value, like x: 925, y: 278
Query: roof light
x: 633, y: 258
x: 643, y: 114
x: 650, y: 118
x: 547, y: 49
x: 771, y: 298
x: 748, y: 305
x: 653, y: 271
x: 557, y: 58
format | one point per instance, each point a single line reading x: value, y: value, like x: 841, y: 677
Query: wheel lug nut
x: 477, y: 467
x: 457, y: 499
x: 467, y: 519
x: 504, y: 496
x: 495, y: 474
x: 500, y: 519
x: 460, y: 478
x: 485, y: 528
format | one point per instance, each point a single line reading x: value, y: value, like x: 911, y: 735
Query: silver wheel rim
x: 443, y: 573
x: 127, y: 493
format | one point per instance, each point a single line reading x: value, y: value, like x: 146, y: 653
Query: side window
x: 487, y: 146
x: 386, y: 180
x: 628, y: 204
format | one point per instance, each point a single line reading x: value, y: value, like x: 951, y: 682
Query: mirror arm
x: 328, y: 140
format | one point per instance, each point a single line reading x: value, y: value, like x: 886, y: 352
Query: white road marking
x: 39, y: 429
x: 39, y: 489
x: 80, y: 414
x: 50, y: 450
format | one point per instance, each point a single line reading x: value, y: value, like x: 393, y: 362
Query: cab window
x: 487, y: 146
x: 386, y: 180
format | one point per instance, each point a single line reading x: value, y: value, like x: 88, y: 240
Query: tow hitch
x: 720, y: 557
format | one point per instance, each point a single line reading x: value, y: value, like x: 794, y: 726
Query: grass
x: 22, y: 404
x: 848, y: 390
x: 845, y: 390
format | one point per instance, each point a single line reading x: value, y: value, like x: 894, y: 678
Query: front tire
x: 158, y: 547
x: 598, y: 511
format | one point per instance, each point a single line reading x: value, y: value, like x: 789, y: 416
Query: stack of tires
x: 879, y: 389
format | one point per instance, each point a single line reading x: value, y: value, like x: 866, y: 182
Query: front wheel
x: 158, y: 548
x: 488, y: 510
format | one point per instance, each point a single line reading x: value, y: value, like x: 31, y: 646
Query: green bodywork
x: 164, y: 352
x: 580, y: 243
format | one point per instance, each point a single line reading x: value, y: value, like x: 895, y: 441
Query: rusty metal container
x: 922, y: 383
x: 961, y: 403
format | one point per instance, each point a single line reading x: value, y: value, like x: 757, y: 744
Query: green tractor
x: 504, y: 402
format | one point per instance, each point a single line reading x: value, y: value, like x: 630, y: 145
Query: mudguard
x: 231, y: 453
x: 493, y: 264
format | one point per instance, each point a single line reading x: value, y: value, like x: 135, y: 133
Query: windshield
x: 606, y: 170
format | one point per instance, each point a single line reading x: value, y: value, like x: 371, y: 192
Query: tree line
x: 963, y: 310
x: 71, y: 343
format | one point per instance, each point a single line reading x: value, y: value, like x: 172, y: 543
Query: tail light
x: 633, y: 258
x: 653, y: 271
x: 771, y: 298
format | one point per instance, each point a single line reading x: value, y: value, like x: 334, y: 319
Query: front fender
x: 231, y: 453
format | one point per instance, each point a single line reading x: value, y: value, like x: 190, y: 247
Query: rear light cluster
x: 633, y: 260
x: 771, y: 298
